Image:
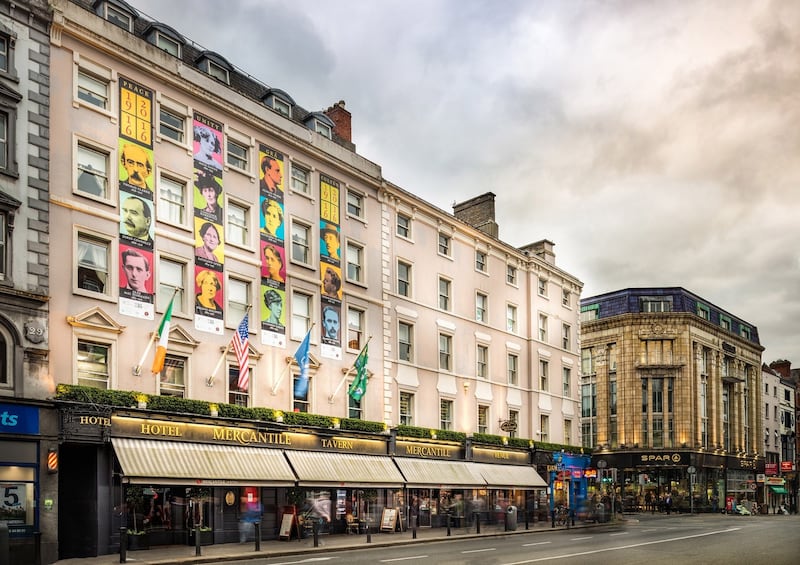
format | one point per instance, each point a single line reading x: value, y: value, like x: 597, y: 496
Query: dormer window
x: 215, y: 65
x: 279, y: 101
x: 165, y: 38
x: 218, y: 72
x: 320, y: 123
x: 117, y: 12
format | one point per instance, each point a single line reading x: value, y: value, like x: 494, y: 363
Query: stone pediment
x: 95, y: 319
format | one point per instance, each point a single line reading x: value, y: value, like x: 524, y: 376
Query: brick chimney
x: 782, y: 367
x: 479, y: 213
x: 542, y: 249
x: 341, y: 118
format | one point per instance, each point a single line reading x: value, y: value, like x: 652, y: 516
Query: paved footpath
x: 219, y: 553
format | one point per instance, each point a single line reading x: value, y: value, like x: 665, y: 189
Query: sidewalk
x: 182, y: 554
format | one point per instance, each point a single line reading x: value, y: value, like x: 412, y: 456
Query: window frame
x: 357, y: 208
x: 295, y: 181
x: 544, y: 375
x: 409, y: 343
x: 102, y: 75
x: 541, y: 288
x: 444, y: 301
x: 403, y: 227
x: 109, y: 154
x: 482, y: 307
x: 308, y: 246
x: 232, y: 203
x: 164, y: 205
x: 445, y: 355
x: 566, y: 337
x: 481, y: 261
x: 444, y: 245
x: 242, y: 163
x: 566, y: 381
x: 98, y: 238
x: 180, y: 112
x: 217, y: 71
x: 405, y: 418
x: 512, y: 315
x: 164, y: 292
x: 542, y: 328
x: 512, y: 275
x: 110, y: 344
x: 183, y: 389
x: 404, y: 286
x: 482, y: 361
x: 236, y: 396
x: 356, y: 271
x: 297, y: 319
x: 512, y: 368
x: 358, y: 330
x: 446, y: 413
x: 235, y: 310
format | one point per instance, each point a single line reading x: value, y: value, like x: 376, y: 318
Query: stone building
x: 191, y: 193
x: 671, y: 387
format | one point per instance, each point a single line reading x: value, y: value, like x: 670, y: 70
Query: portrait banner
x: 330, y: 269
x: 272, y: 246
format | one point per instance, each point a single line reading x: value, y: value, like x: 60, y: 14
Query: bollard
x: 526, y: 519
x: 197, y: 541
x: 477, y: 523
x: 448, y: 524
x: 505, y: 521
x: 572, y: 515
x: 414, y: 521
x: 315, y: 529
x: 123, y: 544
x: 37, y: 548
x: 369, y: 535
x: 553, y: 518
x: 257, y: 526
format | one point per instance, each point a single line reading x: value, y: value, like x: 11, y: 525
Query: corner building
x: 671, y: 398
x: 186, y: 190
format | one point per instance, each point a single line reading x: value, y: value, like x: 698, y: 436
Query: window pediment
x: 95, y: 319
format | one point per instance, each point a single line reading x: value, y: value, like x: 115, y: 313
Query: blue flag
x: 301, y: 356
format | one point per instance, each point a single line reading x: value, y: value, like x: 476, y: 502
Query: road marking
x: 537, y: 543
x: 650, y: 530
x: 579, y: 554
x: 307, y: 560
x: 619, y: 534
x: 404, y: 558
x: 480, y: 550
x: 584, y: 537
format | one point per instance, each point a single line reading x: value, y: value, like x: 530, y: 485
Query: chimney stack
x: 342, y: 120
x: 479, y: 213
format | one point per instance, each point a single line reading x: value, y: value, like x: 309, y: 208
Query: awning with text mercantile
x: 176, y: 463
x: 511, y: 476
x: 422, y: 473
x: 321, y: 468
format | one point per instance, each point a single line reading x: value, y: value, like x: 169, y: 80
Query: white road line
x: 480, y: 550
x: 584, y: 537
x: 619, y: 534
x: 537, y: 543
x: 650, y: 530
x: 404, y: 558
x: 579, y: 554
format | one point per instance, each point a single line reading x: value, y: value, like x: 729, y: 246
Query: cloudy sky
x: 655, y: 142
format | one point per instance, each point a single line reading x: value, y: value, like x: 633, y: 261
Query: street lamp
x: 692, y: 474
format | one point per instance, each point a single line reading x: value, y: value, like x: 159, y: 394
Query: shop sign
x: 787, y: 466
x: 16, y: 419
x: 225, y: 435
x: 590, y: 473
x: 484, y: 455
x: 576, y: 473
x: 771, y: 469
x: 760, y: 478
x: 661, y: 458
x: 775, y: 481
x: 428, y: 450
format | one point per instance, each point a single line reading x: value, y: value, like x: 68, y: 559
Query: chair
x: 352, y: 525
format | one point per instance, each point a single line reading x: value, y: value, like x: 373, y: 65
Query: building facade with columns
x: 671, y: 397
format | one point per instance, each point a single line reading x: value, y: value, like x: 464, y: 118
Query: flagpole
x: 288, y: 364
x: 210, y: 380
x: 137, y: 369
x: 347, y: 374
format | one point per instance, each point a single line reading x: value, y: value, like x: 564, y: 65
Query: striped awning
x: 422, y: 473
x: 511, y: 476
x: 166, y: 462
x: 344, y: 469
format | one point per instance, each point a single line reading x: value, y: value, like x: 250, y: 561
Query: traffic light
x: 52, y: 460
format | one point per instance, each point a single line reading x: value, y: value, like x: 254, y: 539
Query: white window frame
x: 511, y: 318
x: 323, y: 129
x: 512, y: 368
x: 164, y: 292
x: 446, y: 423
x: 544, y: 428
x: 231, y: 226
x: 299, y: 184
x: 512, y: 274
x: 110, y: 174
x: 98, y: 338
x: 308, y: 245
x: 355, y: 258
x: 114, y: 15
x: 446, y: 297
x: 542, y: 287
x: 544, y: 375
x: 356, y: 327
x: 235, y: 396
x: 409, y: 343
x: 217, y: 71
x: 566, y: 381
x: 566, y: 298
x: 481, y: 307
x: 482, y: 361
x: 542, y: 329
x: 80, y: 232
x: 237, y: 302
x: 481, y: 261
x: 161, y: 39
x: 181, y: 111
x: 244, y: 142
x: 356, y: 204
x: 173, y: 359
x: 566, y: 337
x: 401, y: 264
x: 405, y: 418
x: 445, y: 356
x: 100, y: 73
x: 483, y: 419
x: 164, y: 204
x: 301, y: 321
x: 403, y: 230
x: 444, y: 245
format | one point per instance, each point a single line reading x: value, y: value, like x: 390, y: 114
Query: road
x: 654, y: 540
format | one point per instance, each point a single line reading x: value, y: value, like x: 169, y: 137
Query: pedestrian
x: 668, y: 503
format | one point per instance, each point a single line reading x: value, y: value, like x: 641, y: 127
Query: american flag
x: 240, y: 341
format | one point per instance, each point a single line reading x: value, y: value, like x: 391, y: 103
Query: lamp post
x: 692, y: 474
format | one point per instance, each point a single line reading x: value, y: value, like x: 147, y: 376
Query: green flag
x: 359, y: 386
